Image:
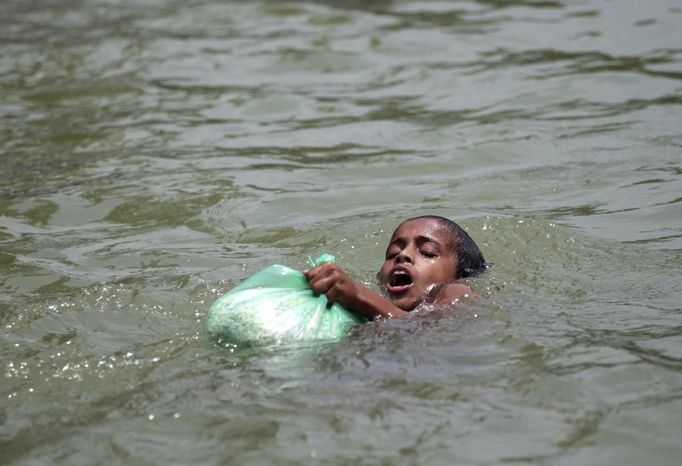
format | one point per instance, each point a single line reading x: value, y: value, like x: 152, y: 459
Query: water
x: 155, y: 153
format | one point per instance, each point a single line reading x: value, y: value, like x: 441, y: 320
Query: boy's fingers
x: 311, y: 272
x: 321, y: 285
x: 332, y: 295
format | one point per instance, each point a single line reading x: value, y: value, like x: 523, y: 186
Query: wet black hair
x: 470, y: 258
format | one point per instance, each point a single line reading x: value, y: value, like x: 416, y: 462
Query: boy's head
x: 425, y: 252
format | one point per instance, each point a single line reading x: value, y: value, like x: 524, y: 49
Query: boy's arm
x: 329, y: 279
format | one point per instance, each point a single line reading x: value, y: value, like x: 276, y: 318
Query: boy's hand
x: 330, y: 279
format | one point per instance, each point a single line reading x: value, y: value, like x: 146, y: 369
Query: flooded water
x: 156, y: 153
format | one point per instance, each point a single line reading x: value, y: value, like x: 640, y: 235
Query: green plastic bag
x: 277, y: 305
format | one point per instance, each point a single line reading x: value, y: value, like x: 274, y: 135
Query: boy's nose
x: 403, y: 256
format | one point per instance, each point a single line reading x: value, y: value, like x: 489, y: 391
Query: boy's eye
x: 428, y: 254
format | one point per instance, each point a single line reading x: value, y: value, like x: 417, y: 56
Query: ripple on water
x: 156, y: 155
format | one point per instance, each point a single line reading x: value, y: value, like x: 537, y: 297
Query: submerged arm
x: 329, y: 279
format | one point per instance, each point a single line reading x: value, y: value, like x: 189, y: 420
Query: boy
x: 425, y: 259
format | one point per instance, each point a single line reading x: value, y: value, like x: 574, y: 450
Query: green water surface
x: 153, y: 154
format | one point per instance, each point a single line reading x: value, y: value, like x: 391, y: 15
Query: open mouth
x: 399, y: 281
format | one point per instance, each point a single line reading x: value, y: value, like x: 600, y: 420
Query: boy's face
x: 418, y: 258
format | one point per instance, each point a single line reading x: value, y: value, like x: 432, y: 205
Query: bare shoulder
x: 453, y: 292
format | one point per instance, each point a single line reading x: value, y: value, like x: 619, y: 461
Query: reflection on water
x: 154, y: 154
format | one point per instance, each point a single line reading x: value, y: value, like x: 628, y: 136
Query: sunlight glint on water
x: 155, y: 154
